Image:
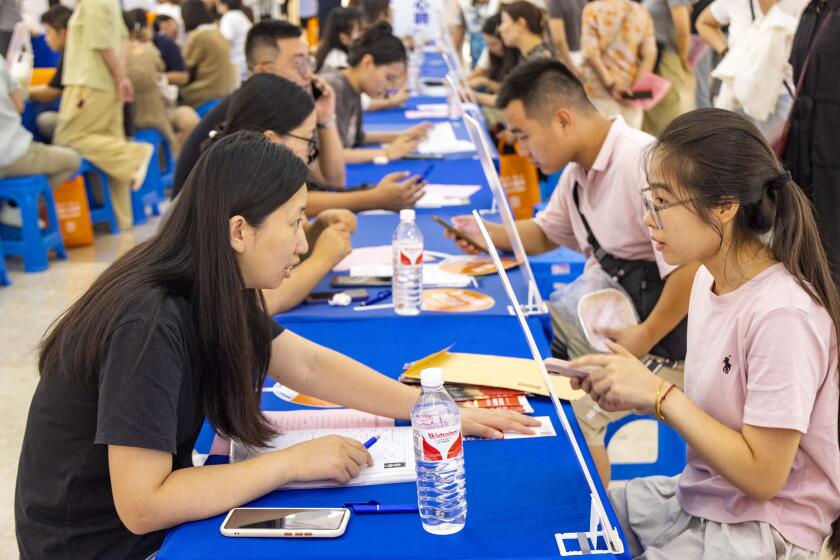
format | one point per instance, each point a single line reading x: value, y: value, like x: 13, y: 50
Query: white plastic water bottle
x: 439, y: 453
x: 407, y: 250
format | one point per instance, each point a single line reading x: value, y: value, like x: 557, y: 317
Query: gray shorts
x: 657, y: 528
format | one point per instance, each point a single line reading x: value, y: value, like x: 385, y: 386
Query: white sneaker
x: 11, y: 216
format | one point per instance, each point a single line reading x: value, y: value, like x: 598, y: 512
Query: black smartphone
x: 355, y: 294
x: 340, y: 281
x: 643, y: 94
x: 316, y: 91
x: 458, y: 233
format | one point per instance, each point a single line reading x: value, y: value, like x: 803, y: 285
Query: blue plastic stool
x: 151, y: 193
x: 206, y: 107
x: 103, y: 212
x: 4, y: 274
x: 30, y: 241
x: 670, y: 453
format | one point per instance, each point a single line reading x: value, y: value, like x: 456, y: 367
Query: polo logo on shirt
x: 727, y: 364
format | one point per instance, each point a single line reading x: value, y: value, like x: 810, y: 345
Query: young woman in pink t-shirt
x: 760, y: 407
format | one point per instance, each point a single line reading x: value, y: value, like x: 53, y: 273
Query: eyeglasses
x: 305, y: 65
x: 653, y: 209
x: 311, y: 146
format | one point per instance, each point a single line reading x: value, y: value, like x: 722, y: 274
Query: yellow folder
x: 492, y: 371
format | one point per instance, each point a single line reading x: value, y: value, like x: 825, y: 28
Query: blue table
x: 376, y: 230
x: 515, y: 506
x: 520, y: 493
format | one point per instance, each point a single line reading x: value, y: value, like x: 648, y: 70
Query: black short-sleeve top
x: 146, y: 396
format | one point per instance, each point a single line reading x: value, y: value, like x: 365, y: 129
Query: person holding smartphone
x: 619, y: 47
x: 377, y: 64
x: 175, y: 331
x: 279, y: 48
x: 760, y: 407
x: 595, y: 209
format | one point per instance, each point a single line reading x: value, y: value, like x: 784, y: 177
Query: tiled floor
x: 29, y: 306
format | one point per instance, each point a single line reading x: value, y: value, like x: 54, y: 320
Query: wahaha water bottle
x: 439, y: 452
x: 407, y: 282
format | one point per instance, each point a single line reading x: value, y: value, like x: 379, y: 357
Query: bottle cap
x: 431, y: 377
x: 407, y: 215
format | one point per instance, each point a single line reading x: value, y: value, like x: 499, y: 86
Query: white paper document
x: 438, y: 196
x: 441, y: 139
x: 393, y: 453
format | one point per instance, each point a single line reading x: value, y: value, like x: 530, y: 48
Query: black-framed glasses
x: 311, y: 146
x: 653, y: 209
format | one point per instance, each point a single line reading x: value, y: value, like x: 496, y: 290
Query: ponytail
x: 720, y: 157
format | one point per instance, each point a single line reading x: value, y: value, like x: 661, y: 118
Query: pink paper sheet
x: 368, y: 256
x: 286, y: 421
x: 651, y: 82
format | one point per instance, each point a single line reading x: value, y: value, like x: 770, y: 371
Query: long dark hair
x: 533, y: 16
x: 340, y: 20
x: 500, y: 66
x: 720, y: 157
x: 190, y: 257
x: 381, y: 44
x: 265, y: 102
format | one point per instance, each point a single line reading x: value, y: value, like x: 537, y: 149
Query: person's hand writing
x: 333, y: 458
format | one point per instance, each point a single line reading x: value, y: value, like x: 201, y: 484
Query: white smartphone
x: 561, y: 367
x: 286, y: 522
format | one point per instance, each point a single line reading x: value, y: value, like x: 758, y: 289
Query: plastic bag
x: 602, y: 311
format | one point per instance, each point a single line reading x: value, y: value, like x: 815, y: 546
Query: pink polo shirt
x: 609, y: 198
x: 766, y: 355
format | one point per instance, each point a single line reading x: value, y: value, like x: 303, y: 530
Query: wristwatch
x: 329, y: 123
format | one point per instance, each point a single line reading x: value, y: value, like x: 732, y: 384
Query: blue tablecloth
x: 376, y: 230
x: 519, y: 492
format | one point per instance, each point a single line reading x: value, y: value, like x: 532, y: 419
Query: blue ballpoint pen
x: 383, y: 294
x: 375, y: 507
x: 369, y: 443
x: 371, y: 508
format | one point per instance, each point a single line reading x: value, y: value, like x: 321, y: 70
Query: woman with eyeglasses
x: 377, y: 65
x: 760, y: 408
x: 292, y: 123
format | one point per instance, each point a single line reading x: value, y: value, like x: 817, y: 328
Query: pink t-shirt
x: 766, y: 355
x: 609, y: 198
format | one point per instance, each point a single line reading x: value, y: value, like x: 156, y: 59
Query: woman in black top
x: 175, y: 331
x: 811, y: 152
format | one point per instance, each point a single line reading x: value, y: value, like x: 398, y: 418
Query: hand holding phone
x: 458, y: 235
x: 555, y: 366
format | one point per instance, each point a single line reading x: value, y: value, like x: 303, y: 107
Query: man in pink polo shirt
x: 595, y: 209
